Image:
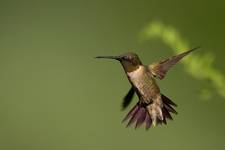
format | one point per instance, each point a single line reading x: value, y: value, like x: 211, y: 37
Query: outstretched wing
x: 159, y: 69
x: 127, y: 99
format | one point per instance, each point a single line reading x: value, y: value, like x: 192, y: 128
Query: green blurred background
x: 55, y: 96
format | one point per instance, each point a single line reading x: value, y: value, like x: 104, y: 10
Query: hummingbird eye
x: 127, y: 58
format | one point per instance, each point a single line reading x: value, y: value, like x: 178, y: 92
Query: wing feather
x: 159, y: 69
x: 127, y: 99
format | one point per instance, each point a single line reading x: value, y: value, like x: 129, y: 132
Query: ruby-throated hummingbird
x: 153, y: 107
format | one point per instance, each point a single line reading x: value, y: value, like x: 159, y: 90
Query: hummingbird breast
x: 144, y: 83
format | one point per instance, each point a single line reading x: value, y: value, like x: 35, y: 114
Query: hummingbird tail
x: 144, y: 113
x: 139, y: 114
x: 168, y: 107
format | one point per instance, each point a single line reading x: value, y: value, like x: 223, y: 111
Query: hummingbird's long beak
x: 109, y: 57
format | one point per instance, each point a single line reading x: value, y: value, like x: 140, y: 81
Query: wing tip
x: 193, y: 49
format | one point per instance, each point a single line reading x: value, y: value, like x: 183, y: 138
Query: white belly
x: 141, y: 79
x: 138, y: 76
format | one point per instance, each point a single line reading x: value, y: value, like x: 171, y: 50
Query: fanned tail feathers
x: 139, y: 114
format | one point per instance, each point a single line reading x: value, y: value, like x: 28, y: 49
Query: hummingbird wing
x: 127, y: 99
x: 159, y: 69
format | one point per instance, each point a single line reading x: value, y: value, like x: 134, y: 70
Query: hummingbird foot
x: 159, y: 112
x: 156, y: 113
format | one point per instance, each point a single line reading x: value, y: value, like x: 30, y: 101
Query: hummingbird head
x: 129, y: 61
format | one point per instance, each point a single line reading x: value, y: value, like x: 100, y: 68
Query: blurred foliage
x: 199, y: 66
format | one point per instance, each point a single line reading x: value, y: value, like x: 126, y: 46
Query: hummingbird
x: 153, y: 107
